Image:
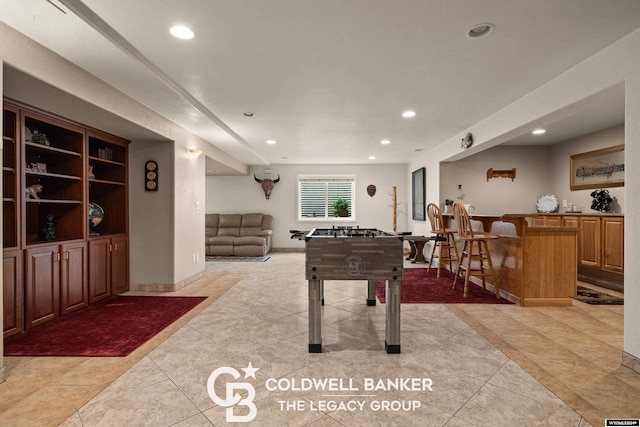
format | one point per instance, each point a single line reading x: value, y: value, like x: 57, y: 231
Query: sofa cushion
x: 252, y: 220
x: 228, y: 231
x: 211, y: 220
x: 211, y: 225
x: 250, y: 231
x: 230, y: 221
x: 249, y: 240
x: 221, y: 240
x: 267, y: 222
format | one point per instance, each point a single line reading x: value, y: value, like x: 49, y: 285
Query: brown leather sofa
x: 238, y: 234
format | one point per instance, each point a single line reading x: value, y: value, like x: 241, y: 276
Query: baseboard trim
x: 631, y: 362
x: 165, y: 287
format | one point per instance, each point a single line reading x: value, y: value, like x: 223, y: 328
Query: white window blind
x: 317, y: 194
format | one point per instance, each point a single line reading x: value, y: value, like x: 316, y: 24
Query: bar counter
x: 535, y: 266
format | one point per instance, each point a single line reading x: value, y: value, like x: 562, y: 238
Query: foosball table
x: 353, y: 253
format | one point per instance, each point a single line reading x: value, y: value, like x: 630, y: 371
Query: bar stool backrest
x: 435, y: 218
x: 465, y: 231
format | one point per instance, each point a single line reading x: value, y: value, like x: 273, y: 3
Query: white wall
x: 613, y: 65
x: 189, y: 200
x: 242, y: 194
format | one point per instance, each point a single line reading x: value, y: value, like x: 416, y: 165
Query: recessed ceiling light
x: 181, y: 32
x: 271, y: 141
x: 372, y: 157
x: 538, y: 131
x: 385, y: 142
x: 248, y: 114
x: 480, y: 30
x: 408, y: 114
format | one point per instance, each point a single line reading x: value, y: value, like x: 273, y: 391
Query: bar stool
x: 444, y: 240
x: 483, y: 256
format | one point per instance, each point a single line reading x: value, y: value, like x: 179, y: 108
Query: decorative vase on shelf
x: 49, y: 229
x: 601, y: 200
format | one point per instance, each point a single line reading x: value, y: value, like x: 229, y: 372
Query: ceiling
x: 328, y: 80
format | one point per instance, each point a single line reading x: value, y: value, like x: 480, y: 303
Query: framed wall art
x: 598, y: 168
x: 418, y: 194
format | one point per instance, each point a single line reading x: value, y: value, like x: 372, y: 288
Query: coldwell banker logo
x: 232, y: 398
x: 337, y: 394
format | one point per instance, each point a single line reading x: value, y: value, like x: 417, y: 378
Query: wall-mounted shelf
x: 504, y: 173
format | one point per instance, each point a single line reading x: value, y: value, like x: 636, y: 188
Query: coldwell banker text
x: 346, y: 385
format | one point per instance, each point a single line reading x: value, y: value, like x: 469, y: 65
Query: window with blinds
x: 317, y: 194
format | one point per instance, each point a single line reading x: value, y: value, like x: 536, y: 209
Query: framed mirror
x: 418, y: 194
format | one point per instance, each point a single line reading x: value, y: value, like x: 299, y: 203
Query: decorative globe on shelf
x: 96, y: 213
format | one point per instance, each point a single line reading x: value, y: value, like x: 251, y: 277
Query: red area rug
x: 422, y: 287
x: 115, y: 327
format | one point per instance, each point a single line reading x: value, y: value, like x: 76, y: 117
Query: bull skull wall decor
x: 267, y: 184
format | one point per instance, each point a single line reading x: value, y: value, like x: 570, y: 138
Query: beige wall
x: 150, y: 220
x: 559, y: 161
x: 241, y: 194
x: 499, y: 195
x: 539, y: 170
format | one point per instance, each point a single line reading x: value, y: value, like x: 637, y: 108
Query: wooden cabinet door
x: 590, y: 248
x: 73, y: 279
x: 538, y: 221
x: 570, y: 221
x: 553, y: 221
x: 613, y: 244
x: 99, y: 269
x: 41, y: 285
x: 12, y: 292
x: 119, y: 265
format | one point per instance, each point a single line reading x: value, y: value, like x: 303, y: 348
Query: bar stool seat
x: 473, y: 240
x: 444, y: 243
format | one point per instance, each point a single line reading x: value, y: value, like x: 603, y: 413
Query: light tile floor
x: 491, y: 365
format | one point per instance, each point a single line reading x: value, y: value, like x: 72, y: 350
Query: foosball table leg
x: 315, y: 316
x: 392, y: 334
x: 371, y: 293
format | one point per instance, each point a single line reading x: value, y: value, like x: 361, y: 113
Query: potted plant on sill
x: 341, y: 207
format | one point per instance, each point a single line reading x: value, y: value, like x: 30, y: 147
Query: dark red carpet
x: 112, y: 328
x: 422, y: 287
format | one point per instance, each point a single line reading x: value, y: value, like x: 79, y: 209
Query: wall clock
x: 151, y: 176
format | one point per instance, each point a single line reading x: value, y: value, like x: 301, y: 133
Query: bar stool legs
x: 447, y: 251
x: 486, y: 266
